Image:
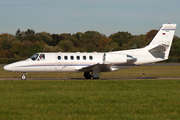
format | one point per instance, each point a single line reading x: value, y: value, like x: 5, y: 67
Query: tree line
x: 26, y: 43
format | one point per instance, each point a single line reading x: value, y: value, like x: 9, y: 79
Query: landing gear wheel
x: 87, y: 75
x: 95, y: 77
x: 23, y: 77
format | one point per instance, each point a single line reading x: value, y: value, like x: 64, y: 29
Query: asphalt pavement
x: 139, y: 78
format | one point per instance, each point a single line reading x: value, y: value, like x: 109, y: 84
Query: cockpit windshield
x: 34, y: 57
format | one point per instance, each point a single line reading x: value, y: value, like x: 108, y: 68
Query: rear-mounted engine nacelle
x: 115, y: 58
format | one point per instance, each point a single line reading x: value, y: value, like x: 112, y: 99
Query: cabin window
x: 72, y: 57
x: 90, y: 57
x: 65, y: 57
x: 34, y: 57
x: 84, y: 57
x: 59, y: 57
x: 42, y: 57
x: 78, y: 58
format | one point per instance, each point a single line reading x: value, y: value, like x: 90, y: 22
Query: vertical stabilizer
x: 161, y: 43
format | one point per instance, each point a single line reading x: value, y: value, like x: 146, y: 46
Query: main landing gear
x: 87, y: 75
x: 23, y: 77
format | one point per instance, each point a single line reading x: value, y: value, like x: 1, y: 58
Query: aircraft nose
x: 8, y: 68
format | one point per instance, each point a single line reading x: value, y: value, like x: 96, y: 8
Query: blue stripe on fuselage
x: 54, y: 65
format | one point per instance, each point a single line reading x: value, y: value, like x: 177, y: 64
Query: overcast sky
x: 72, y: 16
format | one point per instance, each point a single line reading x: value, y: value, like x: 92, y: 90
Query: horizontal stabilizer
x: 159, y: 48
x: 159, y: 51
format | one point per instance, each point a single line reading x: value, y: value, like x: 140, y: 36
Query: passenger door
x: 59, y: 62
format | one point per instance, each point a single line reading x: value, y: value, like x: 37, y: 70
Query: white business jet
x: 94, y: 63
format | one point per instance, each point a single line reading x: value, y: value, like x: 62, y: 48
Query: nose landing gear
x: 23, y: 77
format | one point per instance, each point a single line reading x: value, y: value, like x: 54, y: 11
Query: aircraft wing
x: 102, y: 68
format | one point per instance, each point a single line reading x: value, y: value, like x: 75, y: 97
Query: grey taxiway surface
x: 140, y: 78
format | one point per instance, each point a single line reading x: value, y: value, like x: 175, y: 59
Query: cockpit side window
x: 42, y: 57
x: 34, y: 57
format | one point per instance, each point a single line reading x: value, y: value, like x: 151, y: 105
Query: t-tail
x: 160, y: 46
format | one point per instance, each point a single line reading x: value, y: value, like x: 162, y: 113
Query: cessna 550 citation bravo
x: 94, y: 63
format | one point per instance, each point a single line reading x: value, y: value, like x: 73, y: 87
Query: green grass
x: 150, y: 71
x: 90, y: 99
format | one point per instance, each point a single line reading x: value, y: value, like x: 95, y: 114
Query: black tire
x: 87, y: 75
x: 95, y: 77
x: 23, y: 77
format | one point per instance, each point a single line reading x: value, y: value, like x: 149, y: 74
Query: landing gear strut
x: 23, y: 77
x: 95, y: 75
